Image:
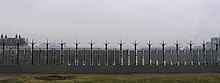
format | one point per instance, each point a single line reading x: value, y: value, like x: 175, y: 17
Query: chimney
x: 2, y: 36
x: 16, y: 36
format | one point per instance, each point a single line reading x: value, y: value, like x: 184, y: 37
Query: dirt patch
x: 52, y: 77
x: 8, y: 76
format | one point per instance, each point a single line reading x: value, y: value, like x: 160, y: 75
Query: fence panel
x: 215, y: 57
x: 95, y: 57
x: 1, y: 56
x: 36, y: 57
x: 168, y: 57
x: 140, y: 54
x: 196, y: 55
x: 153, y: 57
x: 21, y: 57
x: 125, y: 57
x: 174, y: 57
x: 102, y: 57
x: 132, y: 57
x: 201, y: 56
x: 7, y: 57
x: 182, y: 57
x: 117, y: 54
x: 42, y: 55
x: 110, y: 57
x: 188, y: 57
x: 209, y: 56
x: 146, y: 57
x: 57, y: 57
x: 87, y: 57
x: 27, y: 57
x: 66, y: 57
x: 80, y: 57
x: 72, y: 57
x: 160, y: 57
x: 50, y: 57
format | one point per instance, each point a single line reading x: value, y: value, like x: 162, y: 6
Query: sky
x: 112, y: 20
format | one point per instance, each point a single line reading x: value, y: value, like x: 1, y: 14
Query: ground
x: 110, y: 78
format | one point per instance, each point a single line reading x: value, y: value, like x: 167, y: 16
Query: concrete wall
x: 153, y: 69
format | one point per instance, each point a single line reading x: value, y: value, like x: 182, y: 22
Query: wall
x: 56, y: 61
x: 153, y: 69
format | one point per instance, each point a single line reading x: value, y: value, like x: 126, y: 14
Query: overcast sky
x: 128, y: 20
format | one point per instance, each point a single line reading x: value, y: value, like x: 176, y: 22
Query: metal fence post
x: 3, y: 48
x: 163, y: 44
x: 106, y: 52
x: 217, y: 51
x: 190, y: 50
x: 177, y: 52
x: 135, y: 51
x: 47, y: 46
x: 61, y: 48
x: 149, y: 49
x: 32, y: 51
x: 91, y: 49
x: 204, y: 52
x: 76, y: 56
x: 18, y: 44
x: 121, y: 48
x: 54, y: 56
x: 69, y: 57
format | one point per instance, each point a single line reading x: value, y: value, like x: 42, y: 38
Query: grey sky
x: 111, y: 19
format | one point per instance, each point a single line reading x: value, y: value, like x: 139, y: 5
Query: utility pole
x: 149, y: 49
x: 106, y: 52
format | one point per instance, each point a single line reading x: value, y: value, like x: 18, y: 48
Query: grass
x: 124, y: 78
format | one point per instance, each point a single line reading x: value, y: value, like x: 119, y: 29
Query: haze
x: 113, y: 20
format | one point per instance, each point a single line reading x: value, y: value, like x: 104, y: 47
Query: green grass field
x: 113, y: 78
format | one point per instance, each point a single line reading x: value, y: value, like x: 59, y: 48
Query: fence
x: 108, y: 57
x: 75, y: 60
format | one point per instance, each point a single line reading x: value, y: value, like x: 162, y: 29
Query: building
x: 215, y: 41
x: 8, y: 48
x: 208, y: 45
